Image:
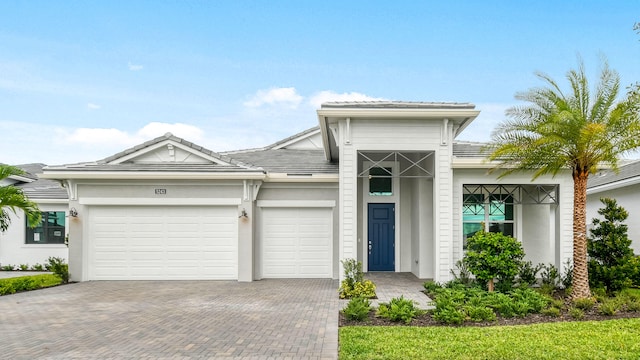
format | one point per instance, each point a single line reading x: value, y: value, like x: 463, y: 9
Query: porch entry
x: 381, y: 237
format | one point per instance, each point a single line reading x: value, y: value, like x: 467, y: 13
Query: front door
x: 381, y: 237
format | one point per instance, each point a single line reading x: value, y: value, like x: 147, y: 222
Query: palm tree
x: 577, y: 131
x: 12, y: 198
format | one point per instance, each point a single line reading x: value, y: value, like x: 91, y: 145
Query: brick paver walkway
x: 268, y: 319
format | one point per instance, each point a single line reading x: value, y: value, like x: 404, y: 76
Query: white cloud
x: 327, y: 95
x: 92, y: 106
x: 134, y: 67
x: 100, y: 136
x: 112, y: 136
x: 185, y: 131
x: 287, y: 97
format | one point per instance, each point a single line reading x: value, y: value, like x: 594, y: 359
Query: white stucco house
x: 624, y: 186
x: 383, y: 182
x: 21, y: 245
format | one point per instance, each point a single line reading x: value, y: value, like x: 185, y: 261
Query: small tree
x: 493, y: 255
x: 609, y: 248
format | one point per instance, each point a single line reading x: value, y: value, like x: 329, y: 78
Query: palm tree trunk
x: 580, y: 272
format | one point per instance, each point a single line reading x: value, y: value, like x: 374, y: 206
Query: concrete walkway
x: 267, y: 319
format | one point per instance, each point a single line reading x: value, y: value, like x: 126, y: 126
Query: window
x: 496, y: 214
x: 50, y: 231
x: 380, y: 181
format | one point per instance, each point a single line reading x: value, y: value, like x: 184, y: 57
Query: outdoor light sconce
x: 73, y: 212
x: 243, y: 214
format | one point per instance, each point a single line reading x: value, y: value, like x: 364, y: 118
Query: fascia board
x: 114, y: 175
x: 399, y: 113
x: 614, y: 185
x: 314, y: 178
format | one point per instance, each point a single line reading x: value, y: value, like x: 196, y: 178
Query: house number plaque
x: 161, y: 191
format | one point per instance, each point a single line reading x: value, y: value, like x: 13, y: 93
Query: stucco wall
x: 13, y: 247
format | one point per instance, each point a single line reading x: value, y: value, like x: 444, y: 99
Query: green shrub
x: 535, y: 301
x: 480, y: 313
x: 600, y: 294
x: 8, y: 267
x: 633, y: 305
x: 399, y: 309
x: 431, y: 287
x: 556, y: 303
x: 462, y: 275
x: 493, y: 255
x: 6, y: 288
x: 567, y: 277
x: 365, y: 289
x: 551, y: 312
x: 584, y: 303
x: 550, y: 276
x: 611, y: 261
x: 59, y: 268
x: 354, y: 284
x: 449, y: 315
x: 527, y: 274
x: 37, y: 267
x: 609, y: 307
x: 24, y: 267
x: 501, y: 303
x: 26, y: 283
x: 576, y: 313
x: 357, y: 309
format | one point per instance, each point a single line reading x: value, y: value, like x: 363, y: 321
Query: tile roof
x: 41, y: 188
x: 289, y: 161
x: 397, y: 105
x: 625, y: 172
x: 469, y: 149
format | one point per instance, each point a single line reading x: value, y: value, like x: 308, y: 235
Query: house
x: 624, y: 186
x: 382, y: 182
x: 21, y: 245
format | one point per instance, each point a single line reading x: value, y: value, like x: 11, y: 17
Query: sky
x: 83, y: 80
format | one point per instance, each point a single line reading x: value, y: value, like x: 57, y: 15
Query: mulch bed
x: 427, y: 320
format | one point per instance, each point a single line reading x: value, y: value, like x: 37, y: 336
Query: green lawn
x: 612, y: 339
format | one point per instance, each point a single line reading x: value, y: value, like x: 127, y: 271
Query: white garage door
x: 163, y: 243
x: 297, y: 243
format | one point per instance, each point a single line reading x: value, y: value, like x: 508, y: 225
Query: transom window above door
x: 380, y: 181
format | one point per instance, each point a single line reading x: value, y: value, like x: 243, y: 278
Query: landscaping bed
x: 427, y: 320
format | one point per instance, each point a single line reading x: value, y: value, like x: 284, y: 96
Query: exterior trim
x: 115, y: 175
x: 296, y: 203
x: 159, y: 201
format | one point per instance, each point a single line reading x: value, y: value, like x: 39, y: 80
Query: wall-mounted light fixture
x: 243, y: 214
x: 73, y: 212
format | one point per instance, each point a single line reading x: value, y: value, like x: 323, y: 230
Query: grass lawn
x: 611, y: 339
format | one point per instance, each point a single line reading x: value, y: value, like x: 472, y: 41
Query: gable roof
x: 628, y: 174
x: 167, y: 156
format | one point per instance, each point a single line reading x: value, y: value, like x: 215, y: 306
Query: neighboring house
x: 623, y: 186
x: 23, y: 245
x: 382, y: 182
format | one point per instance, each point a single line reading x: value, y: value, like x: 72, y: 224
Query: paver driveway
x: 268, y: 319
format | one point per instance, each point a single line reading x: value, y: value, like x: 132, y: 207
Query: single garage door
x: 163, y: 243
x: 297, y: 243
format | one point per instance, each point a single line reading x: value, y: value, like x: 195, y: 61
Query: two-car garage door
x: 163, y: 242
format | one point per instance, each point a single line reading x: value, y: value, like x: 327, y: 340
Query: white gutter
x: 151, y: 175
x: 392, y: 113
x: 614, y: 185
x: 302, y: 178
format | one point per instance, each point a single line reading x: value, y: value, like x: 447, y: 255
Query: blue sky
x: 82, y: 80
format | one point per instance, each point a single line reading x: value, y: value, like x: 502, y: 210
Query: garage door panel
x: 175, y: 242
x: 297, y: 242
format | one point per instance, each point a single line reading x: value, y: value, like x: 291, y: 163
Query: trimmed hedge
x: 26, y: 283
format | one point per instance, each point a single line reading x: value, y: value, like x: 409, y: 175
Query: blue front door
x: 382, y: 236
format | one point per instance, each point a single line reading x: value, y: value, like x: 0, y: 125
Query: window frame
x: 47, y: 229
